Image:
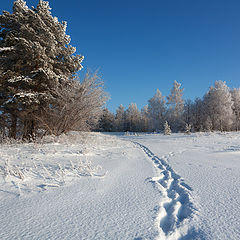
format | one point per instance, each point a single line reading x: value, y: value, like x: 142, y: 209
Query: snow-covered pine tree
x: 176, y: 105
x: 167, y: 129
x: 157, y: 111
x: 36, y: 58
x: 218, y: 103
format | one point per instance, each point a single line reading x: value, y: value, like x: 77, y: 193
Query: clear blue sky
x: 140, y: 46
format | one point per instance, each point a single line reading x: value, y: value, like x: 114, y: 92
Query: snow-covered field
x: 101, y: 186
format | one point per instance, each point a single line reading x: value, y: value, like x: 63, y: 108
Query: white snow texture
x: 101, y: 186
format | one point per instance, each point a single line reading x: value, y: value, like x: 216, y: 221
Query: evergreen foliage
x: 38, y: 69
x: 40, y: 91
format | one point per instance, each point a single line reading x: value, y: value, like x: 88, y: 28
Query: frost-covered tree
x: 236, y: 107
x: 176, y: 105
x: 77, y: 107
x: 133, y: 118
x: 218, y: 103
x: 167, y: 129
x: 157, y: 111
x: 36, y: 58
x: 120, y: 119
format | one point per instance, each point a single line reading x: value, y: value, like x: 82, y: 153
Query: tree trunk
x: 13, y: 128
x: 28, y: 129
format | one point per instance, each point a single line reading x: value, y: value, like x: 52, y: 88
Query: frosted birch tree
x: 218, y: 103
x: 176, y: 105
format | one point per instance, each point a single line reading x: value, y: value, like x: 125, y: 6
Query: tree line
x: 217, y: 110
x: 41, y: 91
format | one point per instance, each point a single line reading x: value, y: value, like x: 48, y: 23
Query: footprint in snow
x: 176, y: 207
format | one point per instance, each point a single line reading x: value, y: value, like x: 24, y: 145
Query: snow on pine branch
x: 27, y: 97
x: 5, y: 49
x: 20, y: 78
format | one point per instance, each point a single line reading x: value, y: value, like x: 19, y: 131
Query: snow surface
x: 100, y: 186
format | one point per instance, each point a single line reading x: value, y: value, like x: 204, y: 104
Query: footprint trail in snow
x: 176, y: 207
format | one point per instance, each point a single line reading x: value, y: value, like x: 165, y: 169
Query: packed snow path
x: 210, y: 164
x: 176, y: 207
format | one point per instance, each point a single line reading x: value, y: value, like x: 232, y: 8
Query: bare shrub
x: 78, y: 106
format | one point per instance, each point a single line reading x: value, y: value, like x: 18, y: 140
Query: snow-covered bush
x: 77, y: 108
x: 167, y: 129
x: 127, y: 133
